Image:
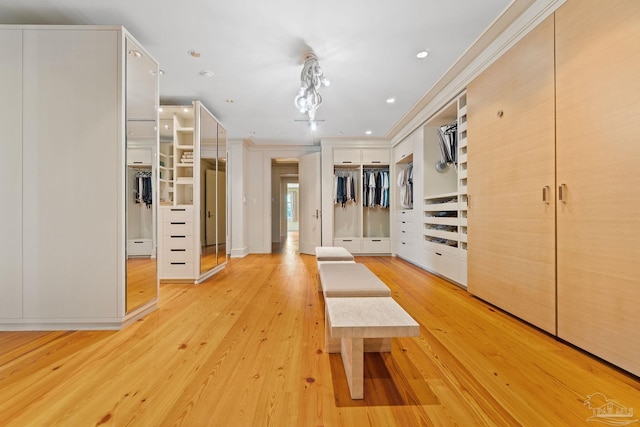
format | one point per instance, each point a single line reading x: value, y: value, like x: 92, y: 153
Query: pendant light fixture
x: 311, y: 79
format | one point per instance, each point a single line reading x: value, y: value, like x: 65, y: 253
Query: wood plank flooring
x: 245, y: 348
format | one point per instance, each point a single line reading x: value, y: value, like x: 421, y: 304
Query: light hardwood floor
x: 245, y: 348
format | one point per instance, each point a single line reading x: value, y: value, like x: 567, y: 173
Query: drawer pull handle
x: 178, y: 223
x: 178, y: 263
x: 376, y: 240
x: 347, y: 161
x: 438, y: 253
x: 375, y: 161
x: 178, y: 237
x: 178, y: 250
x: 178, y: 209
x: 347, y: 240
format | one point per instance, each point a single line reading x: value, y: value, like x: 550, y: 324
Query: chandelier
x: 309, y: 98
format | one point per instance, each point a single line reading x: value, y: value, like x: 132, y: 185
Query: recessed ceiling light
x: 206, y: 73
x: 391, y: 100
x: 368, y: 132
x: 135, y: 53
x: 194, y: 53
x: 422, y: 54
x: 166, y: 127
x: 186, y: 110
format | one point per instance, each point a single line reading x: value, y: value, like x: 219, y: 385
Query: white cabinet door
x: 347, y: 156
x: 73, y: 250
x: 375, y: 156
x: 11, y: 173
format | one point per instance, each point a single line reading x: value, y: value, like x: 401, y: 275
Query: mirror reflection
x: 213, y: 193
x: 141, y: 179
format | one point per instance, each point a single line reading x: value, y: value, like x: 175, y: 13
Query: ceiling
x: 256, y: 49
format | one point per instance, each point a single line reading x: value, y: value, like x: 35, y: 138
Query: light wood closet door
x: 511, y: 230
x: 598, y: 153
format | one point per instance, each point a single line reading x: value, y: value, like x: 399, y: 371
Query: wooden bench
x: 347, y: 280
x: 356, y: 319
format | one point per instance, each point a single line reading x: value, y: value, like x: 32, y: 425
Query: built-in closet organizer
x: 63, y: 251
x: 553, y: 154
x: 430, y: 226
x: 406, y: 181
x: 359, y: 217
x: 193, y: 208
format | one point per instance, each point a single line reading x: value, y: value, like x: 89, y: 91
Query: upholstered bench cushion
x: 333, y: 253
x: 347, y: 279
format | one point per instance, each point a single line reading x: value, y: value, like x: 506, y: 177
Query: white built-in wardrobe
x: 358, y: 217
x: 63, y: 174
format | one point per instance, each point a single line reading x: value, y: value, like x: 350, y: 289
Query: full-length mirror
x: 141, y: 178
x: 221, y: 199
x: 212, y: 193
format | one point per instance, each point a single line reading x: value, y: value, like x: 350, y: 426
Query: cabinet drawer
x: 443, y: 264
x: 406, y: 236
x: 375, y: 156
x: 406, y: 226
x: 374, y: 245
x: 177, y: 270
x: 180, y: 228
x: 177, y: 213
x: 407, y: 250
x: 139, y: 246
x: 176, y: 241
x: 350, y: 244
x: 178, y: 255
x: 406, y: 215
x: 346, y: 156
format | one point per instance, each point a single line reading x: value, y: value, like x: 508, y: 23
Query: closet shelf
x: 450, y: 220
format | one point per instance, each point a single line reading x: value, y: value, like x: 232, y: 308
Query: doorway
x: 285, y: 207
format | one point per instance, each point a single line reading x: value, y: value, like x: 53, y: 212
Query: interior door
x: 598, y: 105
x: 310, y: 203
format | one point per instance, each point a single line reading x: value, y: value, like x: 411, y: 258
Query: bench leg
x: 353, y: 361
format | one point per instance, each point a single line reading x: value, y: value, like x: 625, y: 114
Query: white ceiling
x: 256, y: 50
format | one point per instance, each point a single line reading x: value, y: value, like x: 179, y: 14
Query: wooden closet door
x: 598, y: 159
x: 511, y: 230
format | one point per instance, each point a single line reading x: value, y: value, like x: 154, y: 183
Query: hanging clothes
x: 374, y: 192
x: 405, y: 185
x: 143, y: 192
x: 344, y: 187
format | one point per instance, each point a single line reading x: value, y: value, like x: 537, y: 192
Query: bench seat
x: 350, y: 280
x: 333, y: 253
